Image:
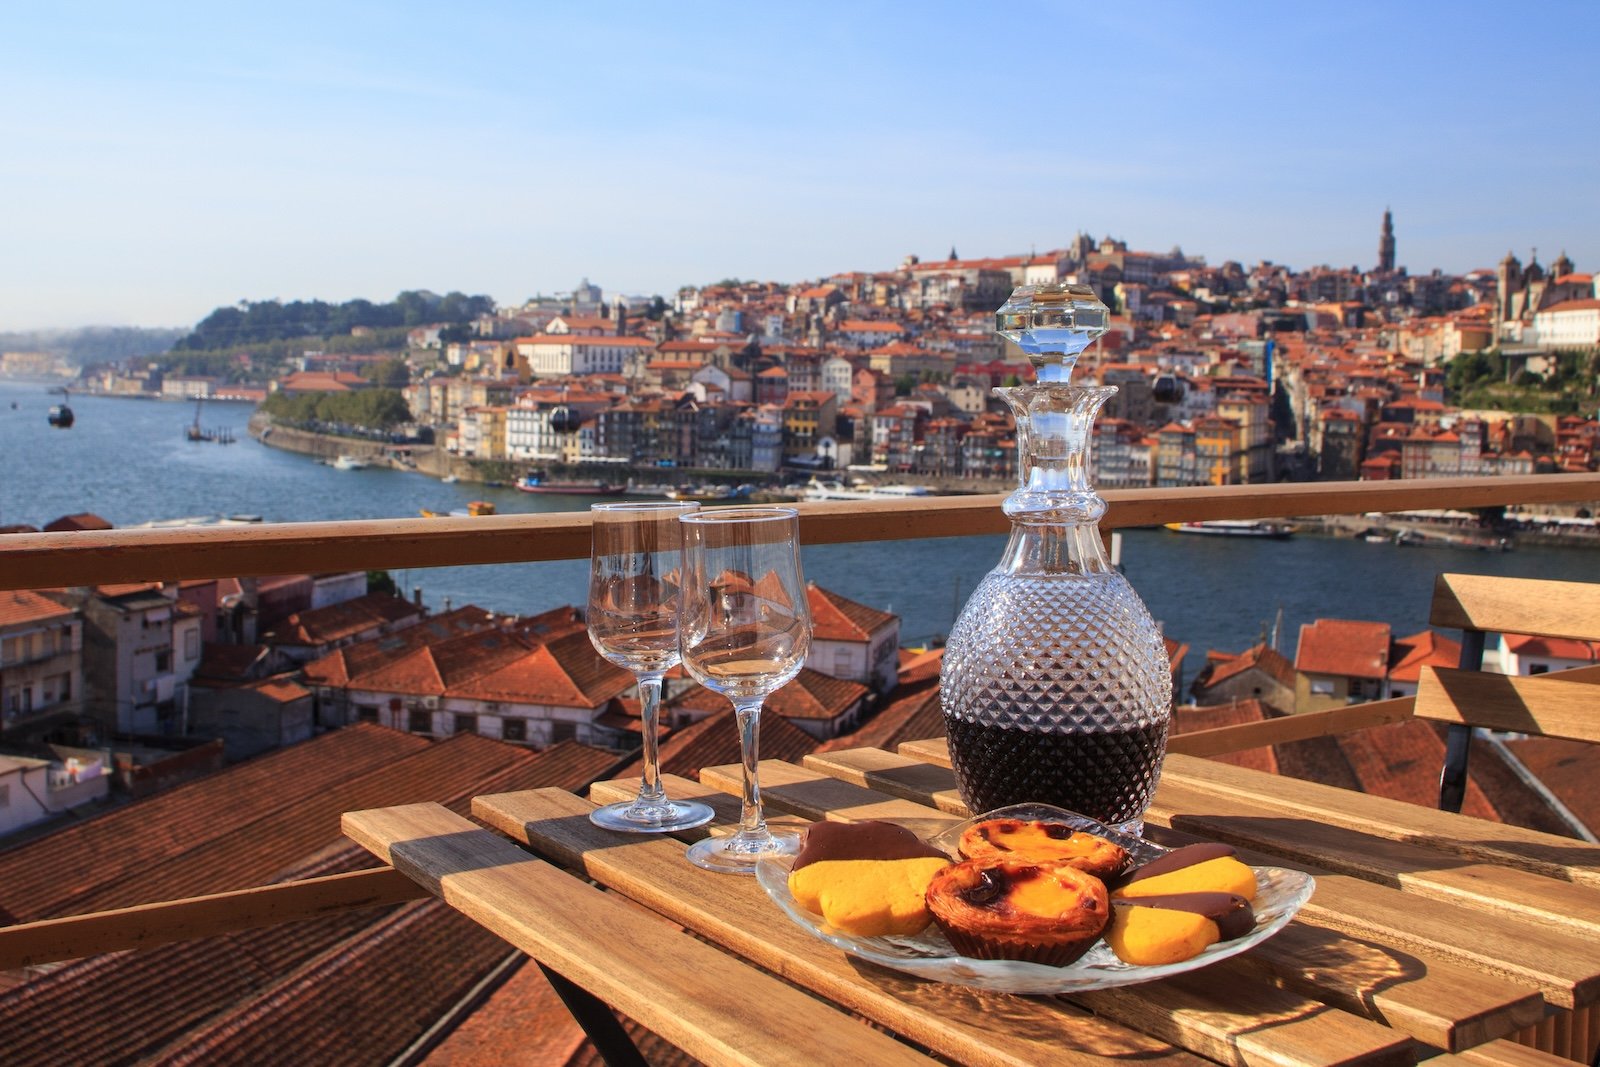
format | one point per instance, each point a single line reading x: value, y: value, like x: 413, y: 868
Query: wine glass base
x: 662, y: 818
x: 736, y: 855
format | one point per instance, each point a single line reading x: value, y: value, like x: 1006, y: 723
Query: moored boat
x: 1277, y: 531
x: 833, y: 489
x: 712, y: 494
x: 538, y: 483
x: 349, y: 463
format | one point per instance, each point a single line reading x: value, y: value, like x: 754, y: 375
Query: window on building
x: 366, y: 713
x: 841, y: 663
x: 1538, y: 668
x: 64, y: 686
x: 466, y: 724
x: 563, y: 731
x: 163, y: 662
x: 513, y: 729
x: 1322, y: 687
x: 5, y: 794
x: 191, y: 645
x: 11, y: 650
x: 419, y: 722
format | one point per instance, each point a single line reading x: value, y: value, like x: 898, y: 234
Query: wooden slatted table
x: 1430, y: 935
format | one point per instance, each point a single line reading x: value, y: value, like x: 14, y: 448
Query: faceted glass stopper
x: 1052, y: 324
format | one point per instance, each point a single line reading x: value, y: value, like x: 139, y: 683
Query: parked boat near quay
x: 538, y: 483
x: 1278, y: 531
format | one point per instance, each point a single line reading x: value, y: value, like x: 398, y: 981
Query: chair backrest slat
x: 1564, y: 704
x: 1533, y: 606
x: 1551, y: 705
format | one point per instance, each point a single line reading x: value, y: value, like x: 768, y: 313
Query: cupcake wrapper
x: 1058, y: 954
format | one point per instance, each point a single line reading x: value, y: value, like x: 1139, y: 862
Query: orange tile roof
x: 100, y: 859
x: 1552, y: 647
x: 83, y: 520
x: 353, y: 986
x: 838, y: 618
x: 911, y: 712
x: 714, y: 741
x: 1259, y: 657
x: 814, y: 695
x: 1427, y: 649
x: 1189, y: 719
x: 1349, y: 648
x: 23, y: 606
x: 566, y: 672
x: 345, y: 619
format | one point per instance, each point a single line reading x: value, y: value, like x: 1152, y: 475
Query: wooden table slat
x: 733, y: 911
x: 1442, y: 1003
x: 713, y: 1006
x: 1493, y: 842
x: 1225, y: 1012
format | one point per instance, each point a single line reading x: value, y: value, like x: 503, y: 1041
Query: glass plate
x: 1279, y: 894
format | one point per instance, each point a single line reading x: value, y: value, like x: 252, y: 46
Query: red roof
x: 1552, y: 647
x: 21, y: 606
x: 1343, y: 647
x: 1427, y: 649
x: 83, y: 520
x: 838, y: 618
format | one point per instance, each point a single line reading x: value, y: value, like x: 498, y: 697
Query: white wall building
x: 565, y: 355
x: 1569, y: 324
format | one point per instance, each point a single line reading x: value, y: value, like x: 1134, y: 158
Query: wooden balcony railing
x: 33, y: 561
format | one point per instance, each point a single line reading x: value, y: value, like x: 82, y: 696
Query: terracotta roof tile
x: 83, y: 520
x: 1570, y: 769
x: 1343, y: 647
x: 911, y: 712
x: 1258, y: 657
x: 714, y: 741
x: 343, y: 620
x: 838, y: 618
x: 92, y: 860
x: 1189, y: 719
x: 1430, y: 648
x: 21, y: 606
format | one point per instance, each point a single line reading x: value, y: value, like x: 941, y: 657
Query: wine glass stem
x: 752, y: 826
x: 650, y: 791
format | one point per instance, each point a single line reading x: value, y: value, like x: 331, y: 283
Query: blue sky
x: 159, y: 160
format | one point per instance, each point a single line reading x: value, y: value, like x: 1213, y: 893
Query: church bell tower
x: 1386, y: 244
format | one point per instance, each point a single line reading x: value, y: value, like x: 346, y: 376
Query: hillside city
x: 1225, y: 374
x: 134, y: 714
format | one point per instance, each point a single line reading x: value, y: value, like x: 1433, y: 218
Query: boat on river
x: 1277, y: 531
x: 833, y: 489
x: 712, y: 494
x: 473, y: 509
x: 538, y: 483
x: 349, y: 463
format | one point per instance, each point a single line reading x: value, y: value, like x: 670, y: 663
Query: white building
x: 1569, y: 324
x: 565, y: 355
x: 140, y: 648
x: 853, y: 641
x: 838, y: 375
x: 41, y: 660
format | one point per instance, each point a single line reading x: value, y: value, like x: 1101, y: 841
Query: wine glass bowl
x: 634, y: 568
x: 744, y: 628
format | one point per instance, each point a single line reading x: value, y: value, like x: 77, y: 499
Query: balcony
x: 331, y: 896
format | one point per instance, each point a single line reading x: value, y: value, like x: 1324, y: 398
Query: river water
x: 128, y: 461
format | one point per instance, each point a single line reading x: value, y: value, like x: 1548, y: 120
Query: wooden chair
x: 1561, y: 705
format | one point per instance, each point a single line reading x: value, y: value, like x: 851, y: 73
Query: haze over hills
x: 93, y: 344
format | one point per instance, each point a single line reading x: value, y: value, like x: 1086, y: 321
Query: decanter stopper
x: 1052, y: 324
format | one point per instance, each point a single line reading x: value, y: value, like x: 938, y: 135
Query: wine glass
x: 634, y: 563
x: 744, y: 627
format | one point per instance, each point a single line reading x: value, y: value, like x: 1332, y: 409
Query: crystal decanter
x: 1055, y: 685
